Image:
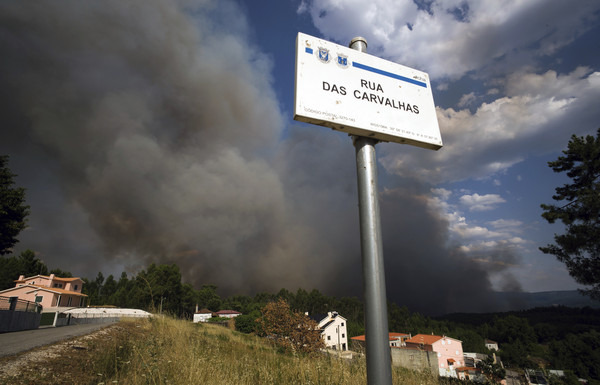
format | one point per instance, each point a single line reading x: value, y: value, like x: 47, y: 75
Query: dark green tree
x: 493, y: 371
x: 13, y: 211
x: 579, y: 247
x: 61, y: 273
x: 31, y: 265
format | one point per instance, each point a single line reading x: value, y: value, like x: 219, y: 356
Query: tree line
x: 557, y: 337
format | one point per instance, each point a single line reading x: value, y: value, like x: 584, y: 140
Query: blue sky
x: 159, y: 131
x: 499, y: 204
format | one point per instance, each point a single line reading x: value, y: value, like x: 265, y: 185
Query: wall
x: 415, y: 359
x: 12, y: 321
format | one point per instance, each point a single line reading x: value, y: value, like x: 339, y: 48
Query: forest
x: 553, y: 338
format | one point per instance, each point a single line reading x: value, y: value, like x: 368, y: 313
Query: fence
x: 16, y: 304
x: 17, y: 314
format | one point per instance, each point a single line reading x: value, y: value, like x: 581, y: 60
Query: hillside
x: 169, y: 351
x: 511, y: 301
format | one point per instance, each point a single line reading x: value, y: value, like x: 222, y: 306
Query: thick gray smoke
x: 148, y: 131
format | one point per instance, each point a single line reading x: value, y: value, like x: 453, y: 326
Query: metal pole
x: 379, y: 371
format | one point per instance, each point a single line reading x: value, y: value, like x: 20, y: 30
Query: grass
x: 170, y: 351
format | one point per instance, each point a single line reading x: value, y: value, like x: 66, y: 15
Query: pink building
x: 449, y: 351
x: 49, y: 291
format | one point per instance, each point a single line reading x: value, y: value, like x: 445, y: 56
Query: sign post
x: 373, y: 100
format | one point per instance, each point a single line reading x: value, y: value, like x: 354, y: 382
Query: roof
x: 204, y: 311
x: 55, y: 290
x: 48, y: 277
x: 319, y: 317
x: 396, y: 335
x: 425, y: 339
x: 491, y: 342
x: 111, y: 311
x: 391, y: 336
x: 227, y: 312
x: 467, y: 369
x: 327, y: 325
x: 67, y: 279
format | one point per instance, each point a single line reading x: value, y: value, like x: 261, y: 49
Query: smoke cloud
x: 148, y: 131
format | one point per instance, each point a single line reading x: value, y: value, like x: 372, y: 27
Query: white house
x: 227, y: 313
x: 333, y: 330
x: 202, y: 315
x: 491, y: 345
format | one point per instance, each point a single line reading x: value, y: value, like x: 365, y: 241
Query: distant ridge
x: 524, y: 300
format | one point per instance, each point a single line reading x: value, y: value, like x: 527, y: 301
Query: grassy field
x: 170, y: 351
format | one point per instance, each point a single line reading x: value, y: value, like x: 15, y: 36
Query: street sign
x: 354, y: 92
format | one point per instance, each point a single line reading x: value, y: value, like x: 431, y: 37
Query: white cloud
x: 538, y: 116
x: 475, y: 238
x: 507, y: 224
x: 467, y: 100
x: 444, y: 42
x: 478, y: 202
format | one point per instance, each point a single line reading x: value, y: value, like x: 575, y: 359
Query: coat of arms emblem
x: 323, y: 55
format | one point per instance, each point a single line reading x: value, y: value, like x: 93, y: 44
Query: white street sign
x: 363, y: 95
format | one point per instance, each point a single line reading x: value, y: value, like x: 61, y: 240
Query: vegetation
x: 579, y: 246
x: 559, y: 337
x: 164, y: 350
x: 293, y: 331
x: 13, y: 211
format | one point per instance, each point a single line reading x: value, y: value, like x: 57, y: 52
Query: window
x: 69, y: 301
x: 343, y: 335
x: 342, y: 324
x: 75, y: 288
x: 39, y: 298
x: 328, y: 338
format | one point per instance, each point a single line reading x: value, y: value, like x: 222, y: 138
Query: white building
x: 491, y: 345
x: 202, y: 315
x: 333, y: 330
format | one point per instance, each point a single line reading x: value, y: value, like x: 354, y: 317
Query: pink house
x: 449, y: 351
x: 49, y: 291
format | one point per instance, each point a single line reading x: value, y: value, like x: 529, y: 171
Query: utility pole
x: 379, y: 366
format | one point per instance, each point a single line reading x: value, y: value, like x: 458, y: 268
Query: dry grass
x: 169, y: 351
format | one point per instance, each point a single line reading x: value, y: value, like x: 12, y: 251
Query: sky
x: 162, y: 131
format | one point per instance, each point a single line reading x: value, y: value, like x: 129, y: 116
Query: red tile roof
x: 227, y: 312
x: 392, y: 336
x: 55, y: 290
x: 425, y: 339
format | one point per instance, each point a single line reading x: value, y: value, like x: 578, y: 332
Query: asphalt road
x: 17, y: 342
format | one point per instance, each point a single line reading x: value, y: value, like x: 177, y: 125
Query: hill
x: 512, y: 301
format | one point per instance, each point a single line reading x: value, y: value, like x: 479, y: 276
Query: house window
x: 69, y: 301
x: 75, y: 288
x: 343, y: 335
x: 328, y: 338
x: 342, y: 324
x: 39, y: 298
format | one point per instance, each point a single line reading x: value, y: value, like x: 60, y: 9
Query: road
x: 17, y: 342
